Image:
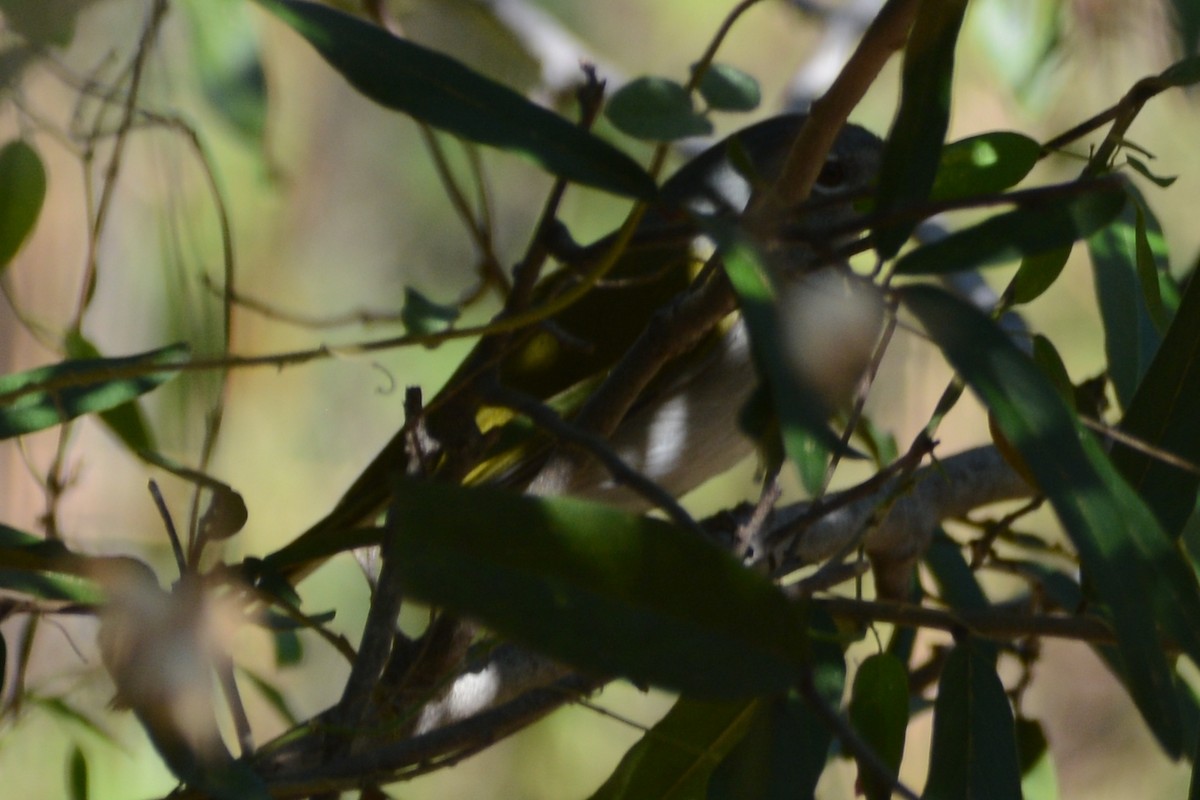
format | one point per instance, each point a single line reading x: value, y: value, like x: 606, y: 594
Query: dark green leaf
x: 603, y: 590
x: 22, y: 190
x: 1130, y: 335
x: 442, y: 92
x: 655, y: 108
x: 77, y: 774
x: 288, y: 649
x: 1153, y: 268
x: 1136, y: 570
x: 675, y: 758
x: 879, y: 711
x: 781, y: 757
x: 1051, y: 364
x: 34, y: 566
x: 126, y: 421
x: 421, y: 316
x: 1140, y: 168
x: 1044, y: 221
x: 1162, y: 413
x: 1038, y: 778
x: 984, y: 164
x: 957, y: 585
x: 974, y: 750
x: 226, y: 51
x: 914, y: 145
x: 76, y: 387
x: 1038, y: 273
x: 727, y: 88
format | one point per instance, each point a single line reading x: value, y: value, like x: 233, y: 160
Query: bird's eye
x: 833, y: 174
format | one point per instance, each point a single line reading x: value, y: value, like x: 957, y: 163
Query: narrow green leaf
x: 727, y: 88
x: 36, y: 567
x: 126, y: 421
x: 1130, y: 335
x: 442, y: 92
x: 77, y: 774
x: 879, y: 711
x: 657, y: 109
x: 974, y: 750
x: 983, y: 164
x: 675, y: 758
x: 1162, y: 413
x: 1139, y: 166
x: 1038, y: 778
x: 914, y: 145
x: 272, y: 695
x: 1038, y: 273
x: 1044, y: 221
x: 601, y: 589
x: 78, y: 387
x: 1136, y: 570
x: 1046, y: 356
x: 1152, y: 264
x: 420, y: 315
x: 22, y: 190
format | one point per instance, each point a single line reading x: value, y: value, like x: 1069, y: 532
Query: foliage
x: 748, y: 615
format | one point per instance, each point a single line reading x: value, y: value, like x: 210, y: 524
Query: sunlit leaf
x: 126, y: 421
x: 1133, y: 565
x: 727, y: 88
x: 675, y: 758
x: 914, y: 145
x: 22, y: 190
x: 974, y: 749
x: 983, y: 164
x: 60, y: 392
x: 601, y: 589
x: 1043, y: 222
x: 436, y: 89
x: 77, y: 774
x: 655, y: 108
x: 1038, y: 778
x: 879, y: 711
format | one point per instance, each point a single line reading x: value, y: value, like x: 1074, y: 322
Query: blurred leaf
x: 272, y: 696
x: 983, y: 164
x: 288, y: 649
x: 1140, y: 168
x: 781, y: 756
x: 1046, y: 356
x: 1162, y: 413
x: 65, y: 711
x: 42, y: 568
x: 1152, y: 267
x: 79, y: 388
x: 974, y: 749
x: 77, y: 774
x: 674, y: 759
x: 126, y: 421
x: 727, y: 88
x: 958, y: 587
x: 879, y: 712
x: 22, y: 190
x: 1022, y: 41
x: 655, y: 108
x: 914, y: 145
x: 1130, y: 335
x: 1053, y: 218
x: 1135, y: 568
x: 1187, y: 25
x: 421, y: 316
x: 600, y: 589
x: 3, y: 664
x: 1038, y: 273
x: 43, y: 22
x: 442, y: 92
x: 1038, y: 778
x: 226, y: 51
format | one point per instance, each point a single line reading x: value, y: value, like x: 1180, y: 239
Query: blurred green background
x: 336, y: 208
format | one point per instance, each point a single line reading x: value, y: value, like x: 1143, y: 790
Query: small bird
x: 685, y: 430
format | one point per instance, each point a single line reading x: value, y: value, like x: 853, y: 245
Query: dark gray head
x: 721, y: 179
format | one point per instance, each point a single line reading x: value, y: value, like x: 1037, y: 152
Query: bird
x: 684, y: 430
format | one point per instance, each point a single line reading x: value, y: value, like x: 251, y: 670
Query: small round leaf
x: 656, y: 109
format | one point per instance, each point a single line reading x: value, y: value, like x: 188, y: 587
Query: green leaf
x: 983, y: 164
x: 598, y: 588
x: 1130, y: 335
x: 914, y: 146
x: 1049, y: 219
x: 1139, y: 166
x: 442, y: 92
x: 974, y: 750
x: 421, y: 316
x: 126, y: 421
x: 1038, y: 778
x: 655, y: 108
x: 1162, y: 413
x: 22, y: 190
x: 879, y: 711
x: 1135, y: 568
x: 675, y: 758
x: 46, y: 569
x: 727, y: 88
x: 1038, y: 273
x: 272, y: 695
x: 1153, y: 269
x: 77, y: 774
x: 225, y: 48
x: 54, y: 394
